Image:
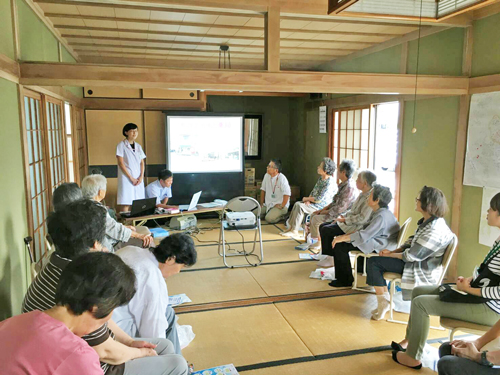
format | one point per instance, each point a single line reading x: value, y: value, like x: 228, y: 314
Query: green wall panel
x: 6, y: 34
x: 439, y: 53
x: 37, y: 42
x: 13, y: 220
x: 486, y: 52
x: 66, y: 56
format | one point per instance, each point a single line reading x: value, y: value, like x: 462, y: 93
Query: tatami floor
x: 274, y: 319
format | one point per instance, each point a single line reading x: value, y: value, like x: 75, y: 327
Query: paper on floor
x: 323, y: 274
x: 178, y: 299
x: 308, y: 256
x: 219, y: 370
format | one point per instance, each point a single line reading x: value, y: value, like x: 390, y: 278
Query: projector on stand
x: 240, y: 219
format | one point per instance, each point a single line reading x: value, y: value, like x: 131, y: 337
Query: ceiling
x: 187, y: 36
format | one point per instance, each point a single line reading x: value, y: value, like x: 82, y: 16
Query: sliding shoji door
x: 56, y: 142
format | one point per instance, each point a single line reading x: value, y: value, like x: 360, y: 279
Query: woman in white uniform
x: 130, y: 158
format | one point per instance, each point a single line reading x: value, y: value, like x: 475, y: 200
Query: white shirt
x: 144, y: 316
x: 275, y: 188
x: 155, y: 190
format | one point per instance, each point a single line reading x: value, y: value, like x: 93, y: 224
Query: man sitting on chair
x: 148, y: 314
x: 275, y: 193
x: 161, y: 189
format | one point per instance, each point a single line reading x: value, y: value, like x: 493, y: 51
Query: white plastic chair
x: 395, y: 278
x: 401, y: 239
x: 243, y: 204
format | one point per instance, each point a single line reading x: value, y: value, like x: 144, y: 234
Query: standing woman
x: 130, y: 168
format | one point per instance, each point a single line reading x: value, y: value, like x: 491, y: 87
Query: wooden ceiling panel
x: 64, y: 31
x: 239, y: 41
x: 194, y: 29
x: 100, y: 23
x: 162, y: 45
x: 59, y: 8
x: 255, y: 33
x: 67, y: 21
x: 258, y: 43
x: 286, y: 43
x: 132, y: 35
x: 132, y: 25
x: 160, y: 37
x: 255, y: 22
x: 96, y: 11
x: 300, y: 35
x: 167, y: 16
x: 110, y: 33
x: 216, y: 40
x: 320, y: 26
x: 132, y: 13
x: 170, y: 28
x: 235, y: 21
x: 188, y: 39
x: 200, y: 18
x: 285, y: 34
x: 218, y: 31
x: 293, y: 24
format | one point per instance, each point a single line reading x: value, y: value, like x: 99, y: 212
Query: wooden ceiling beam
x: 59, y: 74
x: 459, y: 21
x: 479, y: 85
x: 170, y: 33
x: 155, y: 41
x: 144, y: 104
x: 211, y: 25
x: 272, y: 39
x: 9, y: 69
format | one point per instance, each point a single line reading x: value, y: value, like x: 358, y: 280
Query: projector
x: 183, y: 222
x: 240, y: 219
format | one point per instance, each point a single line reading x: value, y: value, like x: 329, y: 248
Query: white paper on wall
x: 487, y: 234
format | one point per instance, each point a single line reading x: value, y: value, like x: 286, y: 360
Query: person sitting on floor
x: 275, y: 193
x: 148, y: 314
x: 381, y: 232
x: 480, y: 304
x: 419, y: 259
x: 321, y: 195
x: 64, y: 194
x: 342, y: 201
x: 161, y: 189
x: 349, y: 222
x: 94, y: 187
x: 49, y: 342
x: 471, y: 357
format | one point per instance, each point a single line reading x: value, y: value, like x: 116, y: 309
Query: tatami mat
x: 241, y: 336
x: 274, y: 251
x: 215, y: 285
x: 370, y: 363
x: 336, y: 324
x: 278, y: 279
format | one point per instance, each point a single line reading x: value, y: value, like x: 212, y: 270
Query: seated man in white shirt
x: 148, y: 314
x: 275, y: 193
x: 161, y: 189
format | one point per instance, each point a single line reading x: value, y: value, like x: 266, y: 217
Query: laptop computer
x: 141, y: 207
x: 191, y: 206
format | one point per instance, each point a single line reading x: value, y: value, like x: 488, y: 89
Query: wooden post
x: 272, y: 39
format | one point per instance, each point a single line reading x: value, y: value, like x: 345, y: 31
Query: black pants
x: 328, y: 231
x: 451, y: 365
x: 377, y: 266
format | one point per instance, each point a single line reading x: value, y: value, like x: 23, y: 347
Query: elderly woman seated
x: 321, y: 195
x: 350, y: 221
x: 94, y: 187
x: 419, y: 259
x: 479, y: 304
x: 381, y: 232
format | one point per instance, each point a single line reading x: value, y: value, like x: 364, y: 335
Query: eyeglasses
x: 271, y: 166
x: 417, y: 200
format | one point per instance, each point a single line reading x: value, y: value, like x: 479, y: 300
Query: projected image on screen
x: 202, y: 144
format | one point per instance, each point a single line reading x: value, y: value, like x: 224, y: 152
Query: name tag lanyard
x: 273, y: 195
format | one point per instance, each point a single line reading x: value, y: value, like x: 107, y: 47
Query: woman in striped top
x: 426, y: 302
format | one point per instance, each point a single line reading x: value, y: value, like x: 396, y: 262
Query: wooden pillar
x: 272, y: 39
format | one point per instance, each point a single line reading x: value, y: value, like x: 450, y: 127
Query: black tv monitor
x: 205, y: 151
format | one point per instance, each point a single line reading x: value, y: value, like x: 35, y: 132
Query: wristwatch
x: 484, y: 360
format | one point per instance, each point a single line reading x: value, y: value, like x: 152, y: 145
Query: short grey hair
x: 92, y: 184
x: 348, y: 166
x: 382, y: 194
x: 329, y: 166
x: 65, y: 194
x: 366, y: 176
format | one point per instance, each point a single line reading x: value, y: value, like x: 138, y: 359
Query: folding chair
x: 395, y: 278
x: 242, y: 204
x: 401, y: 239
x: 454, y: 325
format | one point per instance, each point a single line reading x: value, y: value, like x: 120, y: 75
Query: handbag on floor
x: 483, y: 278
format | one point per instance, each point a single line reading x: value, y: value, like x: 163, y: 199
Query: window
x: 36, y: 164
x: 69, y: 141
x: 369, y: 136
x: 56, y: 146
x: 81, y: 144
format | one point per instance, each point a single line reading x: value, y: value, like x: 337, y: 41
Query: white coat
x: 132, y: 160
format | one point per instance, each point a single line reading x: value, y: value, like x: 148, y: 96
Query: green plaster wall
x: 428, y: 156
x: 13, y: 220
x: 6, y: 37
x: 276, y: 126
x: 66, y: 56
x: 439, y: 53
x: 386, y: 61
x: 37, y: 42
x: 485, y: 51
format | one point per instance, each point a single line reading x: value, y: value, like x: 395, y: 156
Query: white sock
x: 387, y: 296
x: 383, y: 307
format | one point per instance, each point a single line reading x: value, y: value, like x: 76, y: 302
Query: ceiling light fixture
x: 222, y: 50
